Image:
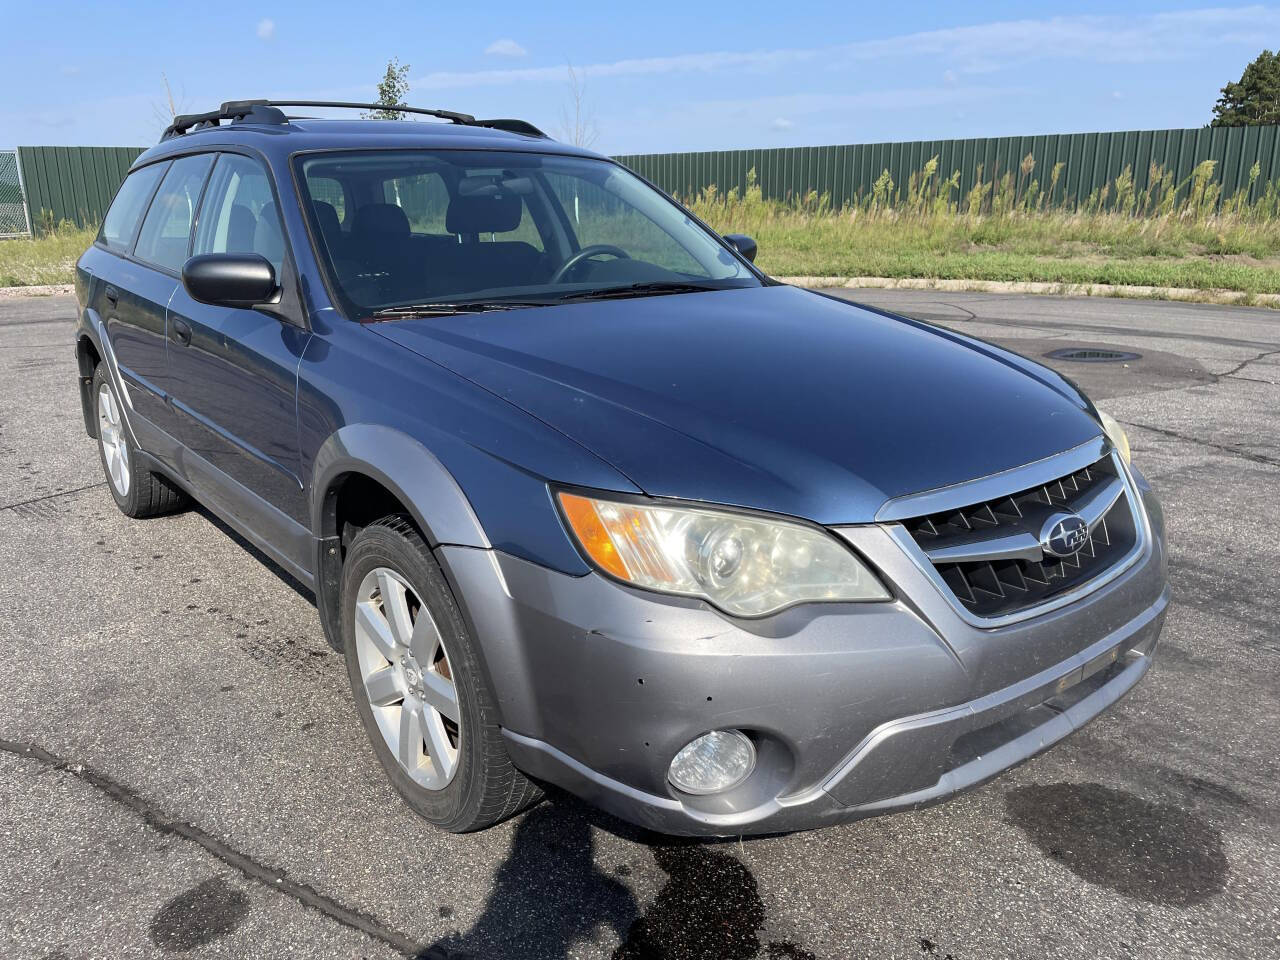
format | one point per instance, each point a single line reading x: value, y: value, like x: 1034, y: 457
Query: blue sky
x: 658, y: 76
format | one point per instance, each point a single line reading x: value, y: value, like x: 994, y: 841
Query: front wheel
x: 418, y: 686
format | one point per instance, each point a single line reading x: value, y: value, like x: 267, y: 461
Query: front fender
x: 412, y: 473
x: 406, y: 468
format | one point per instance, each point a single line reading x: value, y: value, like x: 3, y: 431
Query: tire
x: 453, y: 771
x: 137, y: 492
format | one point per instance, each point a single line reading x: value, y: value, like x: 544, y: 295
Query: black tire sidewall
x: 383, y: 545
x: 129, y: 502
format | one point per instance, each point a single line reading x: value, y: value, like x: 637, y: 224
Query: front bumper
x: 855, y: 709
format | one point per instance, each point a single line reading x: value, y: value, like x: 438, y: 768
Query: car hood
x: 774, y: 398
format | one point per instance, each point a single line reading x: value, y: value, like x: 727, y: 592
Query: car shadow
x: 551, y: 896
x: 548, y: 896
x: 288, y: 579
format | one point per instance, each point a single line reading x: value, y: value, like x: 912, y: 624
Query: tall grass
x: 1197, y: 197
x: 1183, y: 234
x: 48, y: 257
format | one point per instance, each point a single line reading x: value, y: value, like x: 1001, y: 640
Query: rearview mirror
x: 230, y: 279
x: 743, y: 244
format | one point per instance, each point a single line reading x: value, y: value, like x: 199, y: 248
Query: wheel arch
x: 88, y: 356
x: 364, y: 472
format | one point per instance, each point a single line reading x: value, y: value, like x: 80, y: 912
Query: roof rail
x: 267, y: 111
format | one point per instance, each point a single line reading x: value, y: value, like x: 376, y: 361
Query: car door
x: 234, y: 371
x: 131, y: 300
x: 159, y: 250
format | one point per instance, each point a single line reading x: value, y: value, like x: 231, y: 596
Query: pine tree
x: 1255, y: 99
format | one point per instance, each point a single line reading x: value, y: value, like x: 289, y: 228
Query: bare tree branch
x: 577, y: 118
x: 167, y: 110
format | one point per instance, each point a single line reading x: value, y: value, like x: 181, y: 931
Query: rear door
x: 159, y: 251
x: 131, y: 301
x: 235, y: 372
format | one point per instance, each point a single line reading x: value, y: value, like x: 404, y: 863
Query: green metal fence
x: 77, y: 183
x: 1091, y: 160
x: 72, y: 183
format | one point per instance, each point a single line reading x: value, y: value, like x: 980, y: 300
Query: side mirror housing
x: 230, y: 279
x: 743, y: 244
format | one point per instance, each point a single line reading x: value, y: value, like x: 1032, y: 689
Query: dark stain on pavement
x: 1149, y: 851
x: 710, y: 906
x: 198, y: 916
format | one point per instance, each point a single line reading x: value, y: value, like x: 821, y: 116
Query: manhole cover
x: 1093, y: 355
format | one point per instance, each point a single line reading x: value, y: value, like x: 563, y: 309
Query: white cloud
x: 819, y: 115
x: 782, y: 123
x: 979, y: 49
x: 506, y: 47
x: 266, y: 29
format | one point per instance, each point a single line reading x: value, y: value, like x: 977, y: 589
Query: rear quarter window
x: 120, y: 225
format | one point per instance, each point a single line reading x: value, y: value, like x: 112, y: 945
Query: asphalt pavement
x: 182, y: 772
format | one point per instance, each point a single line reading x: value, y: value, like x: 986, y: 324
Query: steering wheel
x: 586, y: 253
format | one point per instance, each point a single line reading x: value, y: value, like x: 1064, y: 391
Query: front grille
x: 989, y: 553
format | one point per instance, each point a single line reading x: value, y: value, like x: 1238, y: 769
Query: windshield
x: 430, y: 228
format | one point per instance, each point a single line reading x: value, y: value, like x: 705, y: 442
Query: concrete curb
x: 1187, y: 294
x: 41, y: 290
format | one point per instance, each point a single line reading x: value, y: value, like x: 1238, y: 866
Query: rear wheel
x: 418, y: 685
x: 137, y: 491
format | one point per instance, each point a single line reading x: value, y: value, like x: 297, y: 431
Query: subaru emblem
x: 1063, y: 535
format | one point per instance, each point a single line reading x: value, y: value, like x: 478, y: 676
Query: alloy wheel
x: 406, y: 674
x: 111, y: 434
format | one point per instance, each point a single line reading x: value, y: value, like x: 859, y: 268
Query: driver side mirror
x: 743, y: 244
x: 230, y: 279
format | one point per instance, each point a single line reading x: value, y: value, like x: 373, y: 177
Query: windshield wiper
x: 639, y: 290
x: 449, y: 309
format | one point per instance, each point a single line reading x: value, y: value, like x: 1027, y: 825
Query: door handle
x: 180, y: 331
x: 112, y: 295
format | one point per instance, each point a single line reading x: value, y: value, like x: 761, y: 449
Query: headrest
x: 382, y: 220
x: 330, y: 225
x: 267, y: 238
x: 240, y: 227
x: 483, y: 214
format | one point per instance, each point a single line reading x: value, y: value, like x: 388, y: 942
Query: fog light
x: 714, y: 762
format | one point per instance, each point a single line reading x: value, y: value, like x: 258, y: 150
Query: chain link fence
x: 14, y: 221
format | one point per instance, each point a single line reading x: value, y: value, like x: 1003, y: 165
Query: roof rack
x: 267, y: 111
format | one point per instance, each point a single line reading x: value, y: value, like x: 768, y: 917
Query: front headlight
x: 745, y: 565
x: 1115, y: 433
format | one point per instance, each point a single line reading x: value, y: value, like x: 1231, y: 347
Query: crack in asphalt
x: 1244, y: 363
x: 1222, y: 447
x: 274, y: 879
x: 53, y: 496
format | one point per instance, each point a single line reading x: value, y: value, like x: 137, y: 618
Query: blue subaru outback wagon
x: 586, y: 499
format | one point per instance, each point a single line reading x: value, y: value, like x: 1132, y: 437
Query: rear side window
x: 166, y: 231
x: 239, y: 214
x: 121, y: 221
